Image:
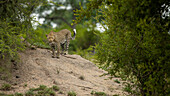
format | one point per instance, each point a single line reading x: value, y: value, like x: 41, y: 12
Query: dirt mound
x: 70, y: 74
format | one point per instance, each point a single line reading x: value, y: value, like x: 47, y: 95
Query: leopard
x: 60, y: 40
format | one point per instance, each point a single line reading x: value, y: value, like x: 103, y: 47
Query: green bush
x: 15, y: 22
x: 136, y: 42
x: 39, y: 38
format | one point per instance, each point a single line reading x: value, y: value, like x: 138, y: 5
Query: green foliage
x: 117, y: 81
x: 6, y: 87
x: 42, y: 90
x: 98, y: 93
x: 29, y: 93
x: 115, y: 95
x: 128, y: 88
x: 86, y: 35
x: 71, y: 93
x: 19, y: 94
x: 15, y: 22
x: 61, y: 92
x: 9, y: 41
x: 61, y: 13
x: 5, y: 69
x: 136, y: 42
x: 56, y: 88
x: 39, y: 38
x: 86, y: 38
x: 3, y: 94
x: 41, y: 87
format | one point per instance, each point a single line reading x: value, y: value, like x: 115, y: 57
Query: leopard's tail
x: 74, y: 30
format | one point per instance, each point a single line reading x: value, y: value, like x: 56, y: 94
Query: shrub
x: 14, y: 24
x: 136, y: 41
x: 98, y: 93
x: 42, y: 90
x: 71, y: 93
x: 56, y: 88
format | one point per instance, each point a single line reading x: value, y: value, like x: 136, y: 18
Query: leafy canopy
x: 136, y: 43
x: 15, y: 22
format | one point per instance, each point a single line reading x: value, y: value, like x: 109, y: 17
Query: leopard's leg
x: 67, y: 45
x: 58, y: 50
x: 62, y: 46
x: 53, y: 51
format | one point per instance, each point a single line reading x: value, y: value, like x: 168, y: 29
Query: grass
x: 56, y: 88
x: 18, y: 94
x: 117, y: 81
x: 2, y: 94
x: 116, y: 95
x: 61, y: 92
x: 127, y: 88
x: 29, y: 93
x: 98, y: 93
x: 6, y: 87
x: 42, y: 90
x: 41, y: 87
x: 72, y: 93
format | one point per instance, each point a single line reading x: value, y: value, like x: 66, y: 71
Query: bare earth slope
x: 79, y: 75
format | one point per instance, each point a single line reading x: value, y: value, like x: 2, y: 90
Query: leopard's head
x: 50, y: 37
